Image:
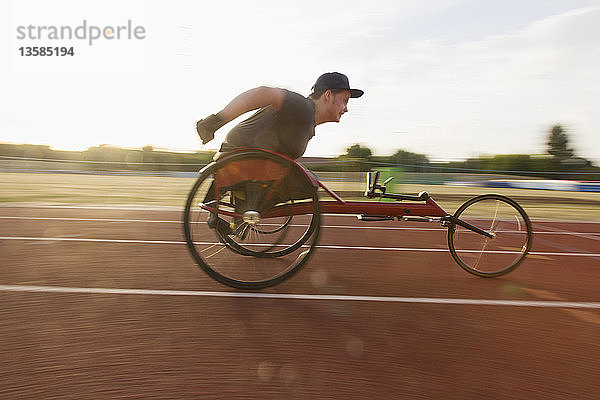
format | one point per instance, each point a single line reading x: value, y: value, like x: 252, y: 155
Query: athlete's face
x: 339, y: 105
x: 336, y: 105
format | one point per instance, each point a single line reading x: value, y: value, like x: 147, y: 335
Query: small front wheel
x: 490, y: 256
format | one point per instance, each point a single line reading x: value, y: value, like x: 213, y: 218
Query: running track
x: 107, y: 304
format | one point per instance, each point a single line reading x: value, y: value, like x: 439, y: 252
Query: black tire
x: 241, y: 260
x: 490, y: 257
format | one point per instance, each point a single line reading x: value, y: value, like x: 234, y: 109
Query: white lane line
x: 179, y: 222
x: 289, y: 296
x: 90, y: 219
x: 63, y: 239
x: 181, y: 209
x: 589, y: 235
x: 133, y: 241
x: 123, y: 207
x: 569, y: 233
x: 126, y: 207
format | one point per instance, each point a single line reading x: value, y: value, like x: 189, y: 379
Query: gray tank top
x: 286, y: 131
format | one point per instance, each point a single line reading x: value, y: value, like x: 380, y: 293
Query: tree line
x: 559, y: 161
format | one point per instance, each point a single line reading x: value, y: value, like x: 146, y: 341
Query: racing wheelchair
x: 253, y: 219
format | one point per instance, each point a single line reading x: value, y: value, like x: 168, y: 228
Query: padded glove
x: 206, y: 127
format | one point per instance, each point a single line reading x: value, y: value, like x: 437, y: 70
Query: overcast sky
x: 450, y: 78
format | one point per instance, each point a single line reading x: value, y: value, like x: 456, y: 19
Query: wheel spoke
x: 485, y: 242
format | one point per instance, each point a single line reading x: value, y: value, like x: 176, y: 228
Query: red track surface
x: 110, y: 346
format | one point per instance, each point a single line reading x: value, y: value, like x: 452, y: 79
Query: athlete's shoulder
x: 294, y: 95
x: 296, y: 101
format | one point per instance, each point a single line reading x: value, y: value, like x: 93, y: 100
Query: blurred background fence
x: 329, y: 170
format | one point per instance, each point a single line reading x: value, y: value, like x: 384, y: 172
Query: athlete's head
x: 331, y: 93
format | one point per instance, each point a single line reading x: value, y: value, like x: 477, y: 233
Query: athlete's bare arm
x: 252, y: 99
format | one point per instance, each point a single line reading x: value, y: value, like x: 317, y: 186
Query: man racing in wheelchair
x: 284, y: 123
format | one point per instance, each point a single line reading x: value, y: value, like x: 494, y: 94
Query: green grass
x: 67, y: 189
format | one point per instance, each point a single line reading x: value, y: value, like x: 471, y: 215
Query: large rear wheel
x: 229, y: 224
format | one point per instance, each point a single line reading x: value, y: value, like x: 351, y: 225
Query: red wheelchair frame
x: 258, y: 165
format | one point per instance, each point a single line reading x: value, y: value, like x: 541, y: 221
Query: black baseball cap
x: 335, y: 80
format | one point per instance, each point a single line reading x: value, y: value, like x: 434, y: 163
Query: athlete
x: 285, y: 120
